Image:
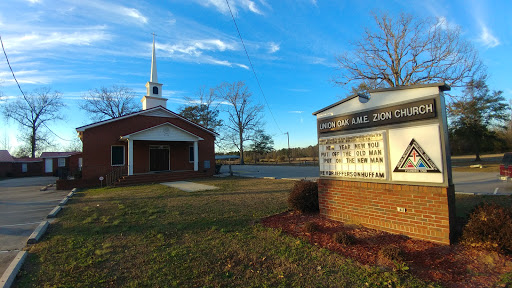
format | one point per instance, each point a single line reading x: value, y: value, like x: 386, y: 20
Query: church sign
x: 385, y: 164
x: 398, y: 139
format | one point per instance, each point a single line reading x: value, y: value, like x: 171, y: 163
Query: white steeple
x: 154, y: 77
x: 153, y: 97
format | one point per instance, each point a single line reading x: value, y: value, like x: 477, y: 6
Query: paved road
x: 22, y: 208
x: 465, y: 182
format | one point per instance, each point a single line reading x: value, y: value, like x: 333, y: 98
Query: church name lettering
x: 353, y: 156
x: 419, y: 110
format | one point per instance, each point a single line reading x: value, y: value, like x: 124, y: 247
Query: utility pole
x: 288, y: 134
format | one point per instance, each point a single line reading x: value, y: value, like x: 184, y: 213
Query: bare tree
x: 407, y: 51
x: 32, y: 113
x: 4, y: 142
x: 109, y: 102
x: 244, y: 118
x: 75, y: 145
x: 204, y: 110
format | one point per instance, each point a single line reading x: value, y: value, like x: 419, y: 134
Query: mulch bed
x: 452, y: 266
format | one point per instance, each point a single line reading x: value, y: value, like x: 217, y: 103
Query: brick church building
x: 151, y: 145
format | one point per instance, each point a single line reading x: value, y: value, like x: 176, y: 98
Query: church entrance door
x: 159, y: 159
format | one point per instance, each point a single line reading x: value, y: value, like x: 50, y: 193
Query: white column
x: 130, y: 157
x: 196, y: 156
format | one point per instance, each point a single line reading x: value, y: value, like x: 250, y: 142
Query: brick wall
x: 429, y: 212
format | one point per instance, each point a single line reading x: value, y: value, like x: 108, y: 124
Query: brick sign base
x: 429, y: 210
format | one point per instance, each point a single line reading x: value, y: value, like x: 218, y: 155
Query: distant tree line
x: 298, y: 155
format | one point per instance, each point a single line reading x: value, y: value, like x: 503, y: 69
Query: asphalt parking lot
x: 22, y: 208
x: 465, y: 182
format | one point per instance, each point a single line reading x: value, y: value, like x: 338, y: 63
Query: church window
x: 117, y: 155
x: 155, y: 90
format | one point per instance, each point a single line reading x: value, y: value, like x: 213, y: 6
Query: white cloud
x: 194, y: 51
x: 273, y: 47
x: 44, y: 40
x: 26, y: 77
x: 214, y: 44
x: 296, y: 112
x: 34, y: 1
x: 481, y: 13
x: 222, y: 6
x: 197, y: 46
x: 4, y: 98
x: 105, y: 9
x: 251, y: 6
x: 134, y: 13
x: 487, y: 38
x: 242, y: 66
x: 317, y: 61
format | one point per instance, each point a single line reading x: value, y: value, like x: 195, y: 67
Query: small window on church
x: 155, y: 90
x: 117, y: 155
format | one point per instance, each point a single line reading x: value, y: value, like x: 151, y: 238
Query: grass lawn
x: 465, y: 203
x: 157, y: 236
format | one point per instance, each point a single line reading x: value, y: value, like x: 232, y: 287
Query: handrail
x: 112, y: 177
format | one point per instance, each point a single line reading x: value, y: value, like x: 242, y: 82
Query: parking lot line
x: 22, y: 224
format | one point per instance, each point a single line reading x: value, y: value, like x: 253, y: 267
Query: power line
x: 8, y: 63
x: 22, y: 93
x: 252, y: 67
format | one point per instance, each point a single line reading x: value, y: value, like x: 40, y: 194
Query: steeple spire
x: 154, y: 77
x: 153, y: 97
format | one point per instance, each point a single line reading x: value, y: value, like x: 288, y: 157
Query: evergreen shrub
x: 489, y: 227
x: 392, y: 253
x: 343, y: 238
x: 304, y: 197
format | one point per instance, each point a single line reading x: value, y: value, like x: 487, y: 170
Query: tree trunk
x: 33, y: 142
x: 241, y: 149
x: 476, y: 146
x: 477, y: 158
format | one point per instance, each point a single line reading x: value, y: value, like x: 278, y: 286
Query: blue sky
x: 74, y: 45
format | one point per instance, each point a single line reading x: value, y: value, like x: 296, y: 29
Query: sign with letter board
x: 354, y: 156
x: 397, y: 136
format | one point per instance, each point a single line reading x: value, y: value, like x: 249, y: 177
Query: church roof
x: 5, y: 156
x: 57, y: 154
x: 155, y: 111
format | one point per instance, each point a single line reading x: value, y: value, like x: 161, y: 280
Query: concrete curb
x: 483, y: 194
x: 38, y: 233
x: 10, y: 274
x: 64, y: 201
x: 54, y: 212
x: 13, y: 269
x: 72, y: 193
